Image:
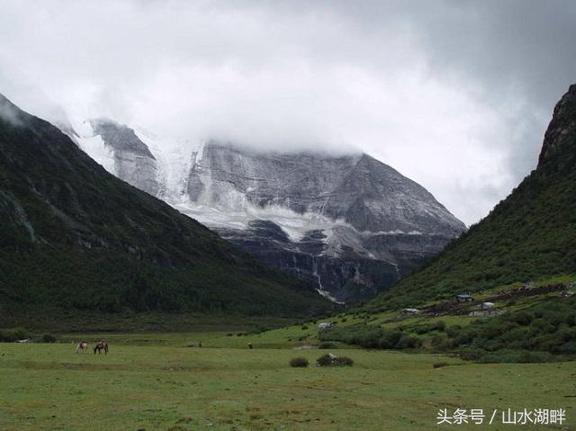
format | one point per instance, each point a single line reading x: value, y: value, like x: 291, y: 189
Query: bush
x: 372, y: 337
x: 439, y: 342
x: 511, y: 356
x: 568, y: 348
x: 439, y: 326
x: 299, y: 362
x: 440, y: 364
x: 48, y: 338
x: 420, y: 330
x: 436, y: 326
x: 343, y: 361
x: 453, y: 331
x: 389, y: 339
x: 471, y: 355
x: 521, y: 318
x: 324, y: 360
x: 329, y: 360
x: 408, y: 342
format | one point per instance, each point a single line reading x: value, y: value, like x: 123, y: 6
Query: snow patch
x: 236, y: 212
x: 95, y: 147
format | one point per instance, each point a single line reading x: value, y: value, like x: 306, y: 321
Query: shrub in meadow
x: 48, y: 338
x: 330, y: 360
x: 299, y: 362
x: 343, y: 361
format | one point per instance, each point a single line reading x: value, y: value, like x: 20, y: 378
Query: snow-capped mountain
x: 351, y: 224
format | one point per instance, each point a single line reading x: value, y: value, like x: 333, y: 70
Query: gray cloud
x: 455, y: 94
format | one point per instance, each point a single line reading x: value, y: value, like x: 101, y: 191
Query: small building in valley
x: 464, y: 297
x: 410, y: 311
x: 325, y: 325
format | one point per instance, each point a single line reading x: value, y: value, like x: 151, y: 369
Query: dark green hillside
x: 73, y: 236
x: 529, y: 235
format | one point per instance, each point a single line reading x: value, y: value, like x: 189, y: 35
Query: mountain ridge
x: 80, y: 238
x: 355, y: 225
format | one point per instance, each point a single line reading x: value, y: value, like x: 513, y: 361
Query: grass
x: 134, y: 323
x: 147, y: 385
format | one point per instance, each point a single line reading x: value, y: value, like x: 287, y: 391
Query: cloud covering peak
x: 454, y: 94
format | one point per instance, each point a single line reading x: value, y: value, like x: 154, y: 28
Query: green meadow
x: 156, y: 381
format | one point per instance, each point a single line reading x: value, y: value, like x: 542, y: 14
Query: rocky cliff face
x: 558, y: 147
x: 132, y: 160
x: 350, y: 224
x: 358, y: 189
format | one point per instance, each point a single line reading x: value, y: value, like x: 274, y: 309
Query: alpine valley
x: 349, y: 224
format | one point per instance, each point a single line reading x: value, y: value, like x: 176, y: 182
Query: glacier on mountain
x: 350, y: 224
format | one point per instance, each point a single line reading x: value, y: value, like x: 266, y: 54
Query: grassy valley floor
x: 155, y: 382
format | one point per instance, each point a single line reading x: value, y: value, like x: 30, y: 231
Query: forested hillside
x: 73, y: 236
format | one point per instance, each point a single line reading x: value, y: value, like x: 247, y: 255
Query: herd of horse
x: 99, y: 347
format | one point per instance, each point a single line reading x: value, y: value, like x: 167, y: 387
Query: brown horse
x: 82, y: 347
x: 101, y: 346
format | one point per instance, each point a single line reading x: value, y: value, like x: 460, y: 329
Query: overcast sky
x: 455, y: 94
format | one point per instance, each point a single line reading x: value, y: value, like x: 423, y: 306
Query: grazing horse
x: 101, y: 345
x: 82, y: 347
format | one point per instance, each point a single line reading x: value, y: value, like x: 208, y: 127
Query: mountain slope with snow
x: 350, y: 224
x: 74, y: 238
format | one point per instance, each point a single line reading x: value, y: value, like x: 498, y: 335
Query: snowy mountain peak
x: 349, y: 223
x: 358, y: 189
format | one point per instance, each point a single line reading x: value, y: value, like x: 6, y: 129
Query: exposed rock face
x: 133, y: 161
x: 558, y: 144
x: 365, y: 193
x: 351, y: 224
x: 337, y: 277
